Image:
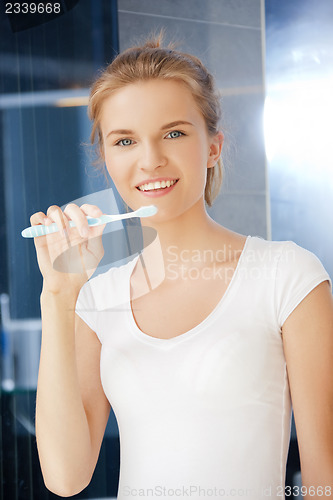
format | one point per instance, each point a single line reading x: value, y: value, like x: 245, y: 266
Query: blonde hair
x: 151, y: 61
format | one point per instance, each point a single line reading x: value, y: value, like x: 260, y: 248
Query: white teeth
x: 156, y: 185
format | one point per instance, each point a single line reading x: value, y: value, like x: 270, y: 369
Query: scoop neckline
x: 138, y: 333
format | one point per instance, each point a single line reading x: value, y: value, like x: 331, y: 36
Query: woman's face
x: 154, y: 131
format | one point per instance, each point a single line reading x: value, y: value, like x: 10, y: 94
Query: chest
x: 172, y: 309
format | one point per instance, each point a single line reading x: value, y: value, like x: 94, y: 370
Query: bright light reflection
x: 298, y: 124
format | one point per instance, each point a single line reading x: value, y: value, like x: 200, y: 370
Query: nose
x: 151, y: 156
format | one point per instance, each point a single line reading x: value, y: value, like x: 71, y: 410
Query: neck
x: 192, y: 231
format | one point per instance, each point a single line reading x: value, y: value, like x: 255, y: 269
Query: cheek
x: 197, y: 162
x: 117, y: 175
x: 120, y: 174
x: 116, y: 166
x: 197, y: 152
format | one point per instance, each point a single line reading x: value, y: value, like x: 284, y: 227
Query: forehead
x: 151, y: 102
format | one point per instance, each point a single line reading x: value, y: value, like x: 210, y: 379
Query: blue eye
x: 175, y: 132
x: 123, y: 141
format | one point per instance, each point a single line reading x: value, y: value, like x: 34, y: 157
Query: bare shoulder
x: 312, y: 318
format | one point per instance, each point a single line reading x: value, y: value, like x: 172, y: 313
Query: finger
x: 58, y: 241
x: 37, y: 218
x: 92, y: 210
x: 78, y: 216
x: 55, y: 214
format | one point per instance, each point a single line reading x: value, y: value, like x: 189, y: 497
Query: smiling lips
x: 157, y: 185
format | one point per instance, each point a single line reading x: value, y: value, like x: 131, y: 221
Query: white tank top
x: 206, y: 413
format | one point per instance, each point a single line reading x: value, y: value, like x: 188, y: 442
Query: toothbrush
x: 40, y: 230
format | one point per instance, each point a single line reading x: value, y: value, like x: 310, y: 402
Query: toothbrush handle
x: 40, y: 230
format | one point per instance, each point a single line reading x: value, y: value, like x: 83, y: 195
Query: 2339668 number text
x: 32, y: 8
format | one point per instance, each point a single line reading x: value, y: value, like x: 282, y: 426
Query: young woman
x: 202, y: 342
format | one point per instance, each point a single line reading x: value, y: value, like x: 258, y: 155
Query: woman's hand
x: 69, y: 257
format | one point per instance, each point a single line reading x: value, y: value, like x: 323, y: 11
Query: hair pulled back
x: 152, y: 61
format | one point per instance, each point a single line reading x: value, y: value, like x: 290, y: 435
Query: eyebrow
x: 168, y: 125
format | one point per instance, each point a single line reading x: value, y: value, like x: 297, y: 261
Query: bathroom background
x: 273, y: 62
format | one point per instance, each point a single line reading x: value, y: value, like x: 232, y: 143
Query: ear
x: 215, y: 149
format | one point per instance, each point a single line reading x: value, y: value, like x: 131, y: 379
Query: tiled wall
x: 227, y: 36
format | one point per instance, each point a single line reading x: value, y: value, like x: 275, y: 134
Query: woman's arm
x: 71, y: 408
x: 308, y: 345
x: 68, y: 433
